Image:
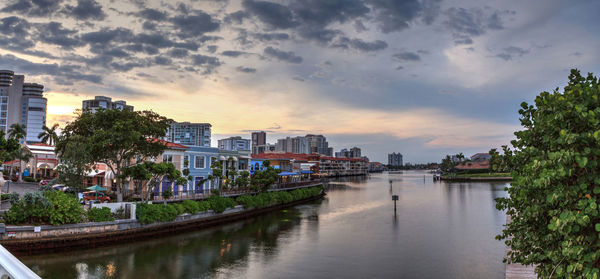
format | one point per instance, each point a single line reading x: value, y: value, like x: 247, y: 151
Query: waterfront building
x: 238, y: 159
x: 395, y: 159
x: 354, y: 152
x: 315, y: 164
x: 375, y: 167
x: 191, y: 134
x: 258, y: 139
x: 41, y: 165
x: 198, y: 160
x: 103, y: 102
x: 22, y: 103
x: 234, y: 144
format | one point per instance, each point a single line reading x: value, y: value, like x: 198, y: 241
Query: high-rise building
x: 258, y: 139
x: 298, y: 145
x: 22, y: 103
x: 343, y: 153
x: 395, y: 159
x: 186, y: 133
x: 102, y: 102
x: 319, y: 144
x: 234, y: 144
x: 355, y: 152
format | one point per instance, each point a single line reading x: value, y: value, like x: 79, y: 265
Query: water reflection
x: 440, y: 230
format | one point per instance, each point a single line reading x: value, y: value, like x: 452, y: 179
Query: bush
x: 271, y: 198
x: 219, y: 204
x: 45, y: 188
x: 150, y: 213
x: 179, y: 208
x: 191, y: 206
x: 96, y: 214
x: 120, y: 213
x: 65, y: 208
x: 554, y: 194
x: 28, y: 179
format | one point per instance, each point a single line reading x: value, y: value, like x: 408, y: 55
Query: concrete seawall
x: 49, y: 239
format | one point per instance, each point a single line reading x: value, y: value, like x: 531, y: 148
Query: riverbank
x: 478, y: 177
x: 31, y: 240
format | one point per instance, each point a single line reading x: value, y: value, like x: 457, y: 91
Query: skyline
x: 423, y: 78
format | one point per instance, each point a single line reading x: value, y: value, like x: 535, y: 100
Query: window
x: 167, y: 158
x: 199, y: 164
x: 186, y: 161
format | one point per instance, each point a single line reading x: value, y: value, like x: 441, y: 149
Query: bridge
x: 12, y: 268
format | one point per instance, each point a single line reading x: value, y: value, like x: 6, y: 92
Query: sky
x: 424, y: 78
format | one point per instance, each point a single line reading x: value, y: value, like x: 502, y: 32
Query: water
x: 441, y: 230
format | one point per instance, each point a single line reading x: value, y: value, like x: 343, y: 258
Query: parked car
x: 44, y: 182
x: 95, y: 196
x: 60, y: 187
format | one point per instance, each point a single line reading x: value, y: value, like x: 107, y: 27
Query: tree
x: 263, y: 180
x: 8, y: 147
x: 49, y: 136
x: 217, y: 174
x: 115, y: 137
x: 149, y: 175
x: 17, y: 131
x: 501, y: 163
x: 22, y: 154
x: 76, y: 161
x: 447, y: 164
x: 242, y: 181
x: 555, y: 190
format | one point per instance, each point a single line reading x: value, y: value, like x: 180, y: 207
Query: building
x: 344, y: 153
x: 314, y: 164
x: 395, y: 159
x: 319, y: 144
x: 481, y: 157
x: 102, y: 102
x: 299, y: 145
x: 198, y: 161
x: 234, y: 144
x: 22, y: 103
x: 258, y: 139
x: 263, y: 148
x: 186, y: 133
x: 354, y: 152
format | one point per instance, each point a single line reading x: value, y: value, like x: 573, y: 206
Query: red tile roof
x: 474, y: 165
x: 169, y: 144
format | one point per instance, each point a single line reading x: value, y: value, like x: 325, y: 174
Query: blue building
x: 198, y: 160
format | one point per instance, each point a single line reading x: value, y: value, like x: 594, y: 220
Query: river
x: 440, y: 230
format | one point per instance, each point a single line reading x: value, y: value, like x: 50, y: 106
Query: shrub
x: 45, y: 188
x: 203, y: 206
x: 219, y: 204
x: 65, y: 208
x: 150, y: 213
x: 96, y: 214
x: 33, y: 208
x: 270, y: 198
x: 191, y: 206
x: 28, y: 179
x: 554, y: 194
x: 179, y: 208
x: 120, y: 213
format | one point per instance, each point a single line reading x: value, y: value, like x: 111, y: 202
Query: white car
x: 60, y: 187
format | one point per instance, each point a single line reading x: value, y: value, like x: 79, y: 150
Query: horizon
x: 423, y: 78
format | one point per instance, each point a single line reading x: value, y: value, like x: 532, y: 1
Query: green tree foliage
x: 48, y: 135
x: 65, y: 208
x: 149, y: 175
x: 76, y: 161
x: 263, y: 180
x: 501, y: 162
x: 115, y: 137
x: 8, y: 148
x: 447, y: 164
x: 555, y: 191
x: 17, y: 131
x: 243, y: 180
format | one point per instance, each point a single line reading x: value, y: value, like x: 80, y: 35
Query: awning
x: 109, y: 175
x: 222, y: 158
x: 307, y: 172
x: 44, y: 165
x: 287, y: 173
x: 93, y: 173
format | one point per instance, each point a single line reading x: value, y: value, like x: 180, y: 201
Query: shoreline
x: 477, y: 179
x: 131, y: 230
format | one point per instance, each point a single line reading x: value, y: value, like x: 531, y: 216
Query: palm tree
x: 49, y: 136
x: 17, y: 131
x: 23, y: 155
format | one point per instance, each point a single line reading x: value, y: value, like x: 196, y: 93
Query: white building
x: 395, y: 159
x: 186, y: 133
x: 22, y: 103
x: 102, y: 102
x: 234, y: 144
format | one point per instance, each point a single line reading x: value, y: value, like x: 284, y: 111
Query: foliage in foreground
x: 53, y: 207
x: 96, y: 214
x: 555, y: 191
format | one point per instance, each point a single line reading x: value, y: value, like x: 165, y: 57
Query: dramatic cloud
x: 407, y: 56
x: 245, y: 70
x: 85, y: 10
x: 287, y: 56
x: 510, y: 52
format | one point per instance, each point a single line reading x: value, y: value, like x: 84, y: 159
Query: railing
x: 12, y: 268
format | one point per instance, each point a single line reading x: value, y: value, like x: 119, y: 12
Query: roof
x: 40, y: 144
x: 474, y: 165
x: 480, y: 154
x: 302, y: 157
x: 169, y: 144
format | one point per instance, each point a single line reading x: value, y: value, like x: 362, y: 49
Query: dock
x: 516, y: 270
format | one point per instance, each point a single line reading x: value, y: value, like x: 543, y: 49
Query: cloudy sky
x: 424, y: 78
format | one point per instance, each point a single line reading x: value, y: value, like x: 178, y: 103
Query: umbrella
x: 96, y: 188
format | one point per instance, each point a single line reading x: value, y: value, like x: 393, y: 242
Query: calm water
x: 441, y: 230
